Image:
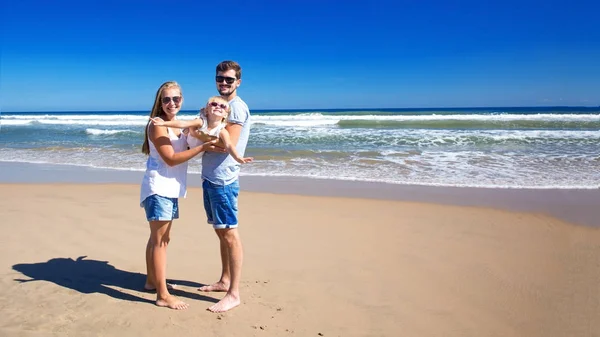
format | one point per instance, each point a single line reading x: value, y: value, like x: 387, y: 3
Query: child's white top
x: 193, y: 141
x: 162, y: 179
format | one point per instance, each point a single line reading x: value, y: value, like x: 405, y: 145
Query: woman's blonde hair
x: 157, y: 110
x: 221, y: 99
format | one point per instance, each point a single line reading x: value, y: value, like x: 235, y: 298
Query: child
x: 211, y: 124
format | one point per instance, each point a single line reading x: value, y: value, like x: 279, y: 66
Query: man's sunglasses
x: 228, y: 80
x: 215, y: 104
x: 167, y: 100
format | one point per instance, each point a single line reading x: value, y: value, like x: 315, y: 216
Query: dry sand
x: 72, y: 264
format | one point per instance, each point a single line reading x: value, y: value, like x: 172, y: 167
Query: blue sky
x: 112, y: 55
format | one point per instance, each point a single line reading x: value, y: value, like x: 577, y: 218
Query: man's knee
x: 229, y: 235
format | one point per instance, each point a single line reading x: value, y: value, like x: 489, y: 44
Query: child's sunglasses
x: 215, y: 104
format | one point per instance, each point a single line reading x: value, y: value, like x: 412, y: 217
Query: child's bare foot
x: 172, y: 302
x: 228, y: 302
x: 219, y: 286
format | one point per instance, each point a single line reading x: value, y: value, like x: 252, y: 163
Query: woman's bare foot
x: 219, y: 286
x: 172, y: 302
x: 228, y: 302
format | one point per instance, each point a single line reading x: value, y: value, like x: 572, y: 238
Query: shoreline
x: 576, y: 206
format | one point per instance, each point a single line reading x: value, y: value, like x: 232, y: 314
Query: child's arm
x: 178, y: 123
x: 224, y: 135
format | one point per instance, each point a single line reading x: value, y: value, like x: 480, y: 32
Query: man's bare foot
x: 219, y: 286
x: 172, y: 302
x: 228, y: 302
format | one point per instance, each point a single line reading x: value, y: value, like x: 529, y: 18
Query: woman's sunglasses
x: 228, y: 80
x: 222, y: 106
x: 167, y: 100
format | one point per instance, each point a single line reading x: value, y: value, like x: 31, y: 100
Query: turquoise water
x: 479, y: 147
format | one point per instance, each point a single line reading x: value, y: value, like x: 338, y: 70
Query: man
x: 220, y: 184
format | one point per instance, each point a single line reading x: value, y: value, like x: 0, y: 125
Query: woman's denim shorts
x: 161, y: 208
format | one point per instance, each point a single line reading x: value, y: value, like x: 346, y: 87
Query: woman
x: 164, y: 182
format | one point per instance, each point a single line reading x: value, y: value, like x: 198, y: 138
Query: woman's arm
x: 224, y: 136
x: 178, y: 123
x: 160, y: 138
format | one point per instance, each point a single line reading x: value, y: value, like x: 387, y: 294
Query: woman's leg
x: 150, y: 277
x: 159, y: 240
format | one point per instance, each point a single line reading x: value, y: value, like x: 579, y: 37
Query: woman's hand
x: 213, y: 145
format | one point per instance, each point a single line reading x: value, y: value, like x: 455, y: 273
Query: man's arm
x: 234, y: 132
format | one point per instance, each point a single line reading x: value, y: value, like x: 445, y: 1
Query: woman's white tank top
x: 162, y: 179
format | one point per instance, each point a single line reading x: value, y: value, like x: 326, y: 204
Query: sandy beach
x: 72, y: 264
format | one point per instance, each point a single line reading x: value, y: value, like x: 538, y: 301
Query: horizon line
x: 337, y: 109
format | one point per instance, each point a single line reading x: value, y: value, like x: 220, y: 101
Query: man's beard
x: 226, y: 91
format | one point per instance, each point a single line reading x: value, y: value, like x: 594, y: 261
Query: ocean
x: 539, y: 148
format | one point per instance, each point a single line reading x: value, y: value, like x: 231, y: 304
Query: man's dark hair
x: 228, y: 65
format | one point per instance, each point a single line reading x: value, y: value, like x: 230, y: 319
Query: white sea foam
x: 98, y: 132
x: 491, y: 117
x: 306, y: 120
x: 314, y: 145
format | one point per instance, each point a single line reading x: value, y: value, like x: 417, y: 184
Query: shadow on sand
x: 93, y: 276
